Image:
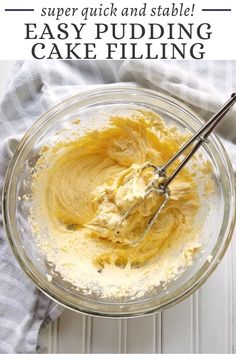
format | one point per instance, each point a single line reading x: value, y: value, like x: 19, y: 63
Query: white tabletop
x: 204, y: 323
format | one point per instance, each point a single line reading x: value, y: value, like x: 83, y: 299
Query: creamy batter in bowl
x: 101, y: 121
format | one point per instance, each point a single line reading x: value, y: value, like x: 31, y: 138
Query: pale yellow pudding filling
x: 81, y: 189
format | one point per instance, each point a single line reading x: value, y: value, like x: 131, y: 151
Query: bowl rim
x: 47, y: 117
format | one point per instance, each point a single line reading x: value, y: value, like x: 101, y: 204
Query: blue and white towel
x: 36, y: 86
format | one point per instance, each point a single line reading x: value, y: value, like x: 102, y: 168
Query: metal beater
x: 162, y: 189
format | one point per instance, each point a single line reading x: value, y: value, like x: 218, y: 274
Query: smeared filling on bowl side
x: 83, y: 186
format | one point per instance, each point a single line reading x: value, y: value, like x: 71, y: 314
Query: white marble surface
x: 204, y: 323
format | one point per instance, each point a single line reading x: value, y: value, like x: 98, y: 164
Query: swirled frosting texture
x: 81, y: 189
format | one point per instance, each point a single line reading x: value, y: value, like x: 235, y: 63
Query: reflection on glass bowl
x: 95, y: 103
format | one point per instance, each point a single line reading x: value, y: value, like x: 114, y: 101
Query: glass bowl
x: 93, y: 103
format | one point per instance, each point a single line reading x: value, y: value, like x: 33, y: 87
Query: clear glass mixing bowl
x: 94, y: 103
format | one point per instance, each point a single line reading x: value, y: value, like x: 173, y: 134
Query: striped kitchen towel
x: 36, y: 86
